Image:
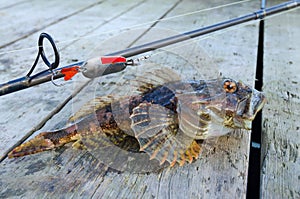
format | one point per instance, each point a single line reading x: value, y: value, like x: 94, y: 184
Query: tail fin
x: 43, y: 142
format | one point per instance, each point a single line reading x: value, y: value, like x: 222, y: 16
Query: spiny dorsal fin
x: 149, y: 79
x: 91, y: 106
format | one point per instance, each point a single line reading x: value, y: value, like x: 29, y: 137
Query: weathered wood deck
x: 81, y: 29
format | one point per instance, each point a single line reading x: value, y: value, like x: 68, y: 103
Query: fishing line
x: 212, y: 35
x: 153, y: 23
x: 132, y: 27
x: 158, y: 20
x: 126, y: 28
x: 169, y: 18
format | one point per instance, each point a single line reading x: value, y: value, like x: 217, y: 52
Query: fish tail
x: 45, y: 141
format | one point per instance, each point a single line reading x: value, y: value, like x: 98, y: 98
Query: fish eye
x: 229, y: 86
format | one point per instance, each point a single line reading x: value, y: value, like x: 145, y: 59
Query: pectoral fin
x: 157, y: 131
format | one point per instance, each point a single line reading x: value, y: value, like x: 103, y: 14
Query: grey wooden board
x: 8, y: 4
x: 66, y: 172
x: 280, y: 173
x: 45, y: 14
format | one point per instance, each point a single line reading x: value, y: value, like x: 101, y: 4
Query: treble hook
x: 41, y: 53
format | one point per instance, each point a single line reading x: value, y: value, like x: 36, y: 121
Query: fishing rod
x: 117, y: 61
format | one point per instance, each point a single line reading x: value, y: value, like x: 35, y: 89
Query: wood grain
x: 67, y: 172
x: 280, y: 137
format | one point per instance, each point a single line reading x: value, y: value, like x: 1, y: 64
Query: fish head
x: 241, y: 104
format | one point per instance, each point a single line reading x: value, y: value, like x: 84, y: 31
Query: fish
x: 165, y: 117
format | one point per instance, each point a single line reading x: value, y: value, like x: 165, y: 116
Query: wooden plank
x: 66, y: 172
x: 45, y: 14
x: 8, y: 4
x: 280, y: 137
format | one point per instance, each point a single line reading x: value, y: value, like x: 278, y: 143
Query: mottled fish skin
x: 164, y: 121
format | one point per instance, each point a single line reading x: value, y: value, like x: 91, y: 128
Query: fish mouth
x: 248, y: 124
x: 249, y: 110
x: 258, y: 101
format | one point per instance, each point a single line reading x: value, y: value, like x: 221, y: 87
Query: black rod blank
x: 22, y: 83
